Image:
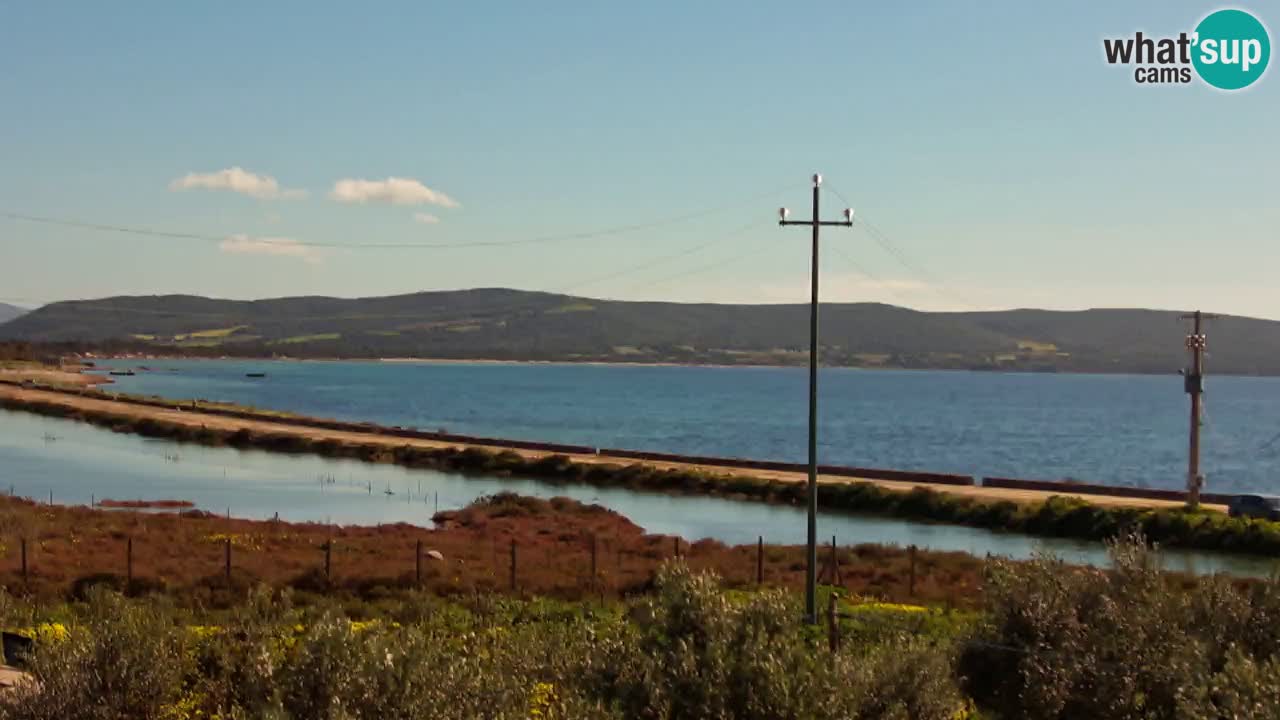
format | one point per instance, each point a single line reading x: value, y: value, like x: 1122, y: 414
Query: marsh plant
x: 1054, y: 642
x: 1126, y: 642
x: 690, y: 650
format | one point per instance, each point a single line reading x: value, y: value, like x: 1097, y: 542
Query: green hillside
x: 512, y: 324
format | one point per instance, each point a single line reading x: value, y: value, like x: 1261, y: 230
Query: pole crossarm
x: 831, y: 223
x: 811, y: 551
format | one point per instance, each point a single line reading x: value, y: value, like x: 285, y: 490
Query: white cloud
x: 393, y: 190
x: 236, y: 179
x: 277, y: 246
x: 425, y: 218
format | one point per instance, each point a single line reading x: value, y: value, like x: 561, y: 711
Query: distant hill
x: 9, y: 312
x: 519, y: 325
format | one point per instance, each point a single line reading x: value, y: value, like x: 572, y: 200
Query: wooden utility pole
x: 811, y: 550
x: 1193, y: 383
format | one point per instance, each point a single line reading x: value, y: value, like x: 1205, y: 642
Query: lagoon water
x: 1116, y: 429
x: 79, y: 463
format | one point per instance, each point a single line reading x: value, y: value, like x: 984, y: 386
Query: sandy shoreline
x: 69, y: 376
x: 466, y: 361
x: 196, y: 419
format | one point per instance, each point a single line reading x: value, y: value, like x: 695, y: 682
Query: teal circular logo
x: 1231, y: 49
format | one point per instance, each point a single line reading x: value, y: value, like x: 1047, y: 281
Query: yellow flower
x: 542, y: 697
x: 202, y: 632
x: 46, y: 632
x: 187, y: 707
x: 889, y: 607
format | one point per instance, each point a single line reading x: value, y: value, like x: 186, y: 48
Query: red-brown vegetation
x: 185, y: 553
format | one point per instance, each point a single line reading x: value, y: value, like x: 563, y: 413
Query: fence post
x: 677, y: 546
x: 328, y: 560
x: 513, y: 564
x: 227, y: 559
x: 417, y: 565
x: 911, y: 576
x: 760, y: 560
x: 128, y: 560
x: 833, y: 626
x: 24, y: 559
x: 835, y: 563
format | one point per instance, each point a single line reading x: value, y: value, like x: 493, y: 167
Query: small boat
x: 123, y: 373
x: 255, y: 375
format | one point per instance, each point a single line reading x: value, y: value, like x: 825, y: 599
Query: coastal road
x: 197, y: 419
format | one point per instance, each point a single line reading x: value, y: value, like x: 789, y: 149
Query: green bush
x: 1067, y: 642
x: 695, y: 653
x: 121, y: 660
x: 690, y: 651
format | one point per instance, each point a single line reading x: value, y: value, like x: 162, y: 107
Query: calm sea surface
x: 78, y: 463
x: 1119, y: 429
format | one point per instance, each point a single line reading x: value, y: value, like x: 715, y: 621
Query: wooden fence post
x: 833, y: 625
x: 677, y: 546
x: 328, y: 560
x: 513, y: 564
x: 417, y: 565
x: 226, y: 560
x: 760, y: 560
x: 911, y: 576
x: 835, y: 563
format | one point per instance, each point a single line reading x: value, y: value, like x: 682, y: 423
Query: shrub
x: 1064, y: 642
x: 694, y: 653
x: 120, y: 661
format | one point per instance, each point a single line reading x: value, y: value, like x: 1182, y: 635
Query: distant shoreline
x: 626, y: 363
x: 463, y: 361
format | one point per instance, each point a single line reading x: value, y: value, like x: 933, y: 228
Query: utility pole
x: 811, y: 551
x: 1193, y: 383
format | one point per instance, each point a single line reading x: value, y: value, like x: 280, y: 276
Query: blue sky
x: 1003, y: 161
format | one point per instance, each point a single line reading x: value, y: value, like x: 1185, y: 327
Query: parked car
x: 1257, y: 506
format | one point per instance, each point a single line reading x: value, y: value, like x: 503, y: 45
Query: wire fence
x: 65, y: 550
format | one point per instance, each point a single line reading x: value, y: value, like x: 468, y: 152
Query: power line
x: 868, y: 275
x: 709, y: 266
x: 81, y: 305
x: 665, y: 258
x: 203, y: 237
x: 935, y: 283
